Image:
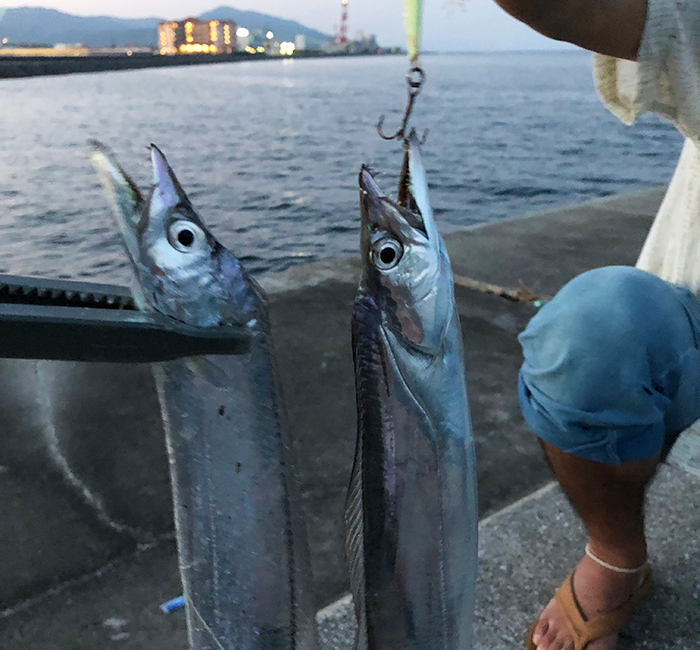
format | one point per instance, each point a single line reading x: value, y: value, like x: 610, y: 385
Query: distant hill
x: 48, y: 26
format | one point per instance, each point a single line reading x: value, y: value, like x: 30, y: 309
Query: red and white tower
x: 343, y: 33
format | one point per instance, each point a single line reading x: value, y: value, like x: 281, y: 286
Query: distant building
x: 192, y: 36
x: 362, y: 45
x: 243, y: 40
x: 300, y: 42
x: 366, y: 44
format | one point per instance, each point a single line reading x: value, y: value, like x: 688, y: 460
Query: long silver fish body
x: 411, y: 512
x: 244, y: 558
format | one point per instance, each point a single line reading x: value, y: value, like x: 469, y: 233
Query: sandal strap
x: 584, y: 631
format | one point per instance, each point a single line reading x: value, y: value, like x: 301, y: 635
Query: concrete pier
x: 16, y: 67
x: 85, y: 512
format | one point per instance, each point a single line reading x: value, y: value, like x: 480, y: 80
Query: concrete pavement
x: 527, y: 549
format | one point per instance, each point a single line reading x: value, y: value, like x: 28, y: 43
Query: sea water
x: 269, y: 151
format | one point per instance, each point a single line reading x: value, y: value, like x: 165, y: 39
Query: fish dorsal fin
x: 354, y: 548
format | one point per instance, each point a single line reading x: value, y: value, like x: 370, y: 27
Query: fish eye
x: 386, y: 253
x: 184, y: 235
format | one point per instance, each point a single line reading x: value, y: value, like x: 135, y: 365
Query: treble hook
x: 415, y: 78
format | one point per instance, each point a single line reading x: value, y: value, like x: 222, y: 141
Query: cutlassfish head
x: 181, y: 270
x: 405, y: 265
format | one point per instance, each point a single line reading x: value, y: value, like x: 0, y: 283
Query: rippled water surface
x: 269, y: 151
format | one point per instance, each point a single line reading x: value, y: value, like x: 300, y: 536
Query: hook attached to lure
x: 415, y: 78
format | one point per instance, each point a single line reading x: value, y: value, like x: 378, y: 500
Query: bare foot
x: 598, y: 590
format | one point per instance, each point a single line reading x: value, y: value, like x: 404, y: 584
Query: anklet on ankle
x: 617, y: 569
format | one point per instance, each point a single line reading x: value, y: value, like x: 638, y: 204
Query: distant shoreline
x: 41, y: 66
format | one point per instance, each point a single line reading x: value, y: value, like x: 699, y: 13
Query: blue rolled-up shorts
x: 612, y: 366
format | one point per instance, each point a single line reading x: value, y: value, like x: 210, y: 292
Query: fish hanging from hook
x: 413, y: 19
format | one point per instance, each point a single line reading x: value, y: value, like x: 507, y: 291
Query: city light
x: 242, y: 32
x: 287, y: 48
x: 196, y: 48
x: 261, y: 49
x: 250, y: 50
x: 197, y: 37
x: 270, y: 35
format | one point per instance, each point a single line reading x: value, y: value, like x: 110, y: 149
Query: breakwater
x: 15, y: 67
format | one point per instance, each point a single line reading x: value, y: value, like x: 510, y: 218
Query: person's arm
x: 613, y: 27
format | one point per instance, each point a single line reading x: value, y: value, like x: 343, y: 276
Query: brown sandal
x: 583, y: 631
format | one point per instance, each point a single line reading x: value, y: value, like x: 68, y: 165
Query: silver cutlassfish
x: 244, y: 558
x: 411, y: 512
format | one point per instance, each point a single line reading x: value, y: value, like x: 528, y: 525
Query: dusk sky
x: 448, y: 24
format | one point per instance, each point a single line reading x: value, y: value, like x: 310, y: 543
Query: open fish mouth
x: 126, y: 198
x: 134, y: 212
x: 411, y: 204
x: 405, y: 266
x: 180, y: 269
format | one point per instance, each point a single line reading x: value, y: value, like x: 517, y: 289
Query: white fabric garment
x: 666, y: 81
